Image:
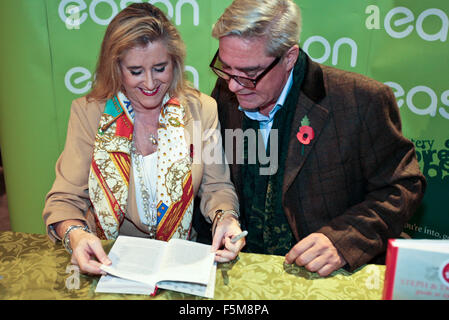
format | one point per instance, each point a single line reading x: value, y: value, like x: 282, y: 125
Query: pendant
x: 152, y: 225
x: 153, y: 139
x: 153, y: 212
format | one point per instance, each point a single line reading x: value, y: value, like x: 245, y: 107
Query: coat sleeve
x: 216, y: 190
x: 69, y: 198
x: 394, y: 184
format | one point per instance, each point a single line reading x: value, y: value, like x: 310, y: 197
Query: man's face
x: 247, y: 58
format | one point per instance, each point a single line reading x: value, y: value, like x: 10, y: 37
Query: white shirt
x: 150, y: 179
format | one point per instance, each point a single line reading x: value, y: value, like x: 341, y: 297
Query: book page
x: 197, y: 289
x: 136, y: 259
x: 139, y: 264
x: 112, y: 284
x: 186, y: 261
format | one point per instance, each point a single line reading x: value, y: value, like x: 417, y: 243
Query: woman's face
x: 147, y: 73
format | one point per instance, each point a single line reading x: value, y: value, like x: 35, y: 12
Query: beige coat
x: 69, y: 196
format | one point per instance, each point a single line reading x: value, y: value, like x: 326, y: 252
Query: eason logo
x: 430, y: 25
x: 75, y: 12
x: 328, y: 50
x: 443, y: 273
x: 78, y: 79
x: 422, y: 100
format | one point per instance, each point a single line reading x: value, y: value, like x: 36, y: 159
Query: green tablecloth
x: 32, y: 267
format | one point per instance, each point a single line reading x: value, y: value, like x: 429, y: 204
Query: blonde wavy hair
x: 136, y: 26
x: 278, y: 20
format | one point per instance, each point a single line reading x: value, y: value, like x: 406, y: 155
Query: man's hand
x: 317, y: 254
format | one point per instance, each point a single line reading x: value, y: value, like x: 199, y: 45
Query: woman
x: 128, y: 164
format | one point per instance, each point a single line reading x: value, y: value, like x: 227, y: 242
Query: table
x: 32, y: 267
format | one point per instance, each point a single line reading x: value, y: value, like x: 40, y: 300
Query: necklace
x: 148, y: 200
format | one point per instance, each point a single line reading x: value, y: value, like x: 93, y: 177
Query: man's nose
x: 234, y: 86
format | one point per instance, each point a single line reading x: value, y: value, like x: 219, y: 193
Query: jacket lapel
x: 193, y: 138
x: 296, y: 155
x: 312, y: 92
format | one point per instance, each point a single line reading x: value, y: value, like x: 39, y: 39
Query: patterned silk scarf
x: 110, y: 169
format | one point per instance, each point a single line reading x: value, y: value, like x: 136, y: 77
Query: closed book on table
x: 417, y: 270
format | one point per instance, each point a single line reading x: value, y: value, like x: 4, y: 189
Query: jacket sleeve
x: 68, y: 198
x: 216, y: 190
x: 394, y: 184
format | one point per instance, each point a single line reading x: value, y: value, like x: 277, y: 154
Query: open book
x: 417, y: 269
x: 140, y: 266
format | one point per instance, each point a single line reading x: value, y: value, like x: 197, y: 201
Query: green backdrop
x: 49, y: 49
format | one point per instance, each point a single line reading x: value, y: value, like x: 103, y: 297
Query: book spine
x: 390, y: 271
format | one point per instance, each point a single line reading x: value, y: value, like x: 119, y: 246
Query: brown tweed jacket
x: 358, y: 181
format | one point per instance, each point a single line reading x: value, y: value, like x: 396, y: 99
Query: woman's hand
x: 226, y: 229
x: 88, y: 253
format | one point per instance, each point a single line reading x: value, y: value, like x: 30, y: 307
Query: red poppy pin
x: 305, y: 134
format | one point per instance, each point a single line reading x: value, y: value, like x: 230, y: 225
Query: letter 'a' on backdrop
x: 50, y: 48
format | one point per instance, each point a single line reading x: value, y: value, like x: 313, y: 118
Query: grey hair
x: 278, y: 20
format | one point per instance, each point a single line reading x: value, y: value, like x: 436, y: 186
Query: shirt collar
x: 256, y: 115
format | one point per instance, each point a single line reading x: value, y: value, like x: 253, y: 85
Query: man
x: 347, y: 179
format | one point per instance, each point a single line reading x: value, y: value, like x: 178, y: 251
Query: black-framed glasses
x: 243, y: 81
